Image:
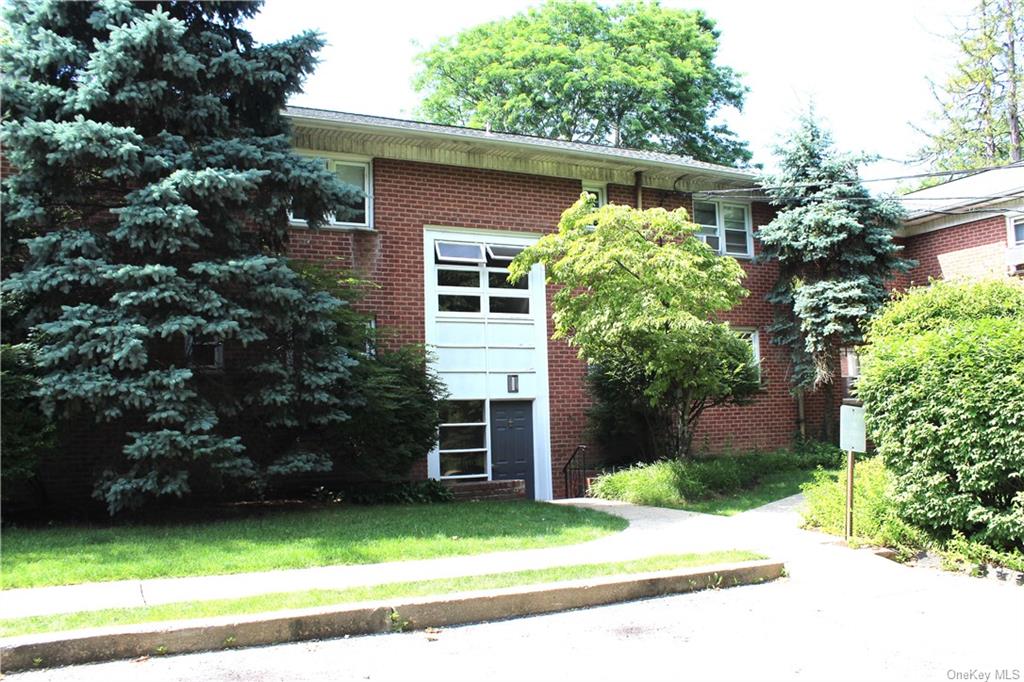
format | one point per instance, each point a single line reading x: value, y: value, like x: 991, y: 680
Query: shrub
x: 388, y: 492
x: 655, y: 484
x: 396, y: 419
x: 26, y: 433
x: 621, y: 419
x: 393, y: 396
x: 875, y: 520
x: 943, y: 386
x: 673, y: 483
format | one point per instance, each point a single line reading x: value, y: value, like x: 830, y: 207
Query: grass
x: 724, y: 485
x: 314, y: 598
x: 65, y: 555
x: 772, y: 487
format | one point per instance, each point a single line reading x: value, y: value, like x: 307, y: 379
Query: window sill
x: 339, y: 227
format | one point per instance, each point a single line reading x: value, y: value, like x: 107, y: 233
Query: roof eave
x: 737, y: 176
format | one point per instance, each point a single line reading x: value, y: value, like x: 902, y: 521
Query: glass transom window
x: 725, y: 227
x: 472, y: 279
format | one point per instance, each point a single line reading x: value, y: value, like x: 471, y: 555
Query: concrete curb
x: 208, y: 634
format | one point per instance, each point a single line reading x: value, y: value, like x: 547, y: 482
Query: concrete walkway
x: 772, y: 530
x: 840, y: 615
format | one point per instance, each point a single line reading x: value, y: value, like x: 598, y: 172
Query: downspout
x: 638, y: 188
x: 801, y: 420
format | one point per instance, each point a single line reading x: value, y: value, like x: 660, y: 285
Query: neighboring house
x: 447, y: 208
x: 969, y: 227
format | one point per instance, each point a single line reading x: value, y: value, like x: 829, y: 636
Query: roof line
x: 674, y: 161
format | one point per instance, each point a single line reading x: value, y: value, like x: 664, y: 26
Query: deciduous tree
x: 634, y: 75
x: 639, y: 297
x: 978, y: 122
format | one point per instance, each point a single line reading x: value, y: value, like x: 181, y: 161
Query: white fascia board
x: 636, y: 164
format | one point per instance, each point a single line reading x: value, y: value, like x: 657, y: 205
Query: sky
x: 864, y: 64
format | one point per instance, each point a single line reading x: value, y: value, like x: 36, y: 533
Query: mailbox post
x: 852, y: 438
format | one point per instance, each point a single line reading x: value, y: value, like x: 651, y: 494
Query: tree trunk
x: 1011, y: 66
x: 828, y: 412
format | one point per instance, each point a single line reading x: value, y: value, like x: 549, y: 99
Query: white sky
x: 864, y: 64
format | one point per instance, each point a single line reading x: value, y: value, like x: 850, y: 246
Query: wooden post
x: 849, y: 494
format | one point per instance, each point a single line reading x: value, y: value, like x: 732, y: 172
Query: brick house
x: 447, y: 208
x: 970, y: 227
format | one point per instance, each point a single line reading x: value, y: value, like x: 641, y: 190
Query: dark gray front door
x: 512, y: 442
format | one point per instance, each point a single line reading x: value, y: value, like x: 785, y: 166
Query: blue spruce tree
x: 833, y: 242
x: 144, y: 226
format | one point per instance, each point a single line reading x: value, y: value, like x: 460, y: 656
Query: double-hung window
x: 725, y: 227
x: 1018, y: 231
x: 472, y: 278
x: 359, y: 211
x: 751, y: 336
x: 599, y: 192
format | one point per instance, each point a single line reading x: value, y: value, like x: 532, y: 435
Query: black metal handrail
x: 575, y: 472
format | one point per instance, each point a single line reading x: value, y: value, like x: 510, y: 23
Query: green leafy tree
x: 979, y: 104
x: 638, y: 298
x: 634, y: 75
x: 942, y: 380
x: 833, y: 244
x: 396, y: 397
x: 153, y: 178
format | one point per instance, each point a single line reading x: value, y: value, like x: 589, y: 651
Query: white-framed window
x: 463, y: 444
x: 204, y: 353
x: 751, y: 336
x: 598, y: 191
x: 472, y: 279
x: 359, y: 174
x: 725, y: 227
x: 1018, y: 231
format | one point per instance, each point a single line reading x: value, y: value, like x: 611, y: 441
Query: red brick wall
x: 409, y: 195
x: 969, y: 248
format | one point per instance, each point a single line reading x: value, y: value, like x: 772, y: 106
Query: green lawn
x: 312, y: 598
x: 772, y: 487
x: 65, y: 555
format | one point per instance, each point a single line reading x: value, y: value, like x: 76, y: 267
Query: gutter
x: 737, y: 176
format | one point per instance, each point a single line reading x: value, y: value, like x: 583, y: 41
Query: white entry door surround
x: 489, y: 341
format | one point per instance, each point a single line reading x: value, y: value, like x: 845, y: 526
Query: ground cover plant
x: 337, y: 534
x: 876, y: 521
x: 312, y: 598
x: 724, y: 484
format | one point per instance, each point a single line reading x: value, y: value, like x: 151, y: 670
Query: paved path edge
x: 227, y: 632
